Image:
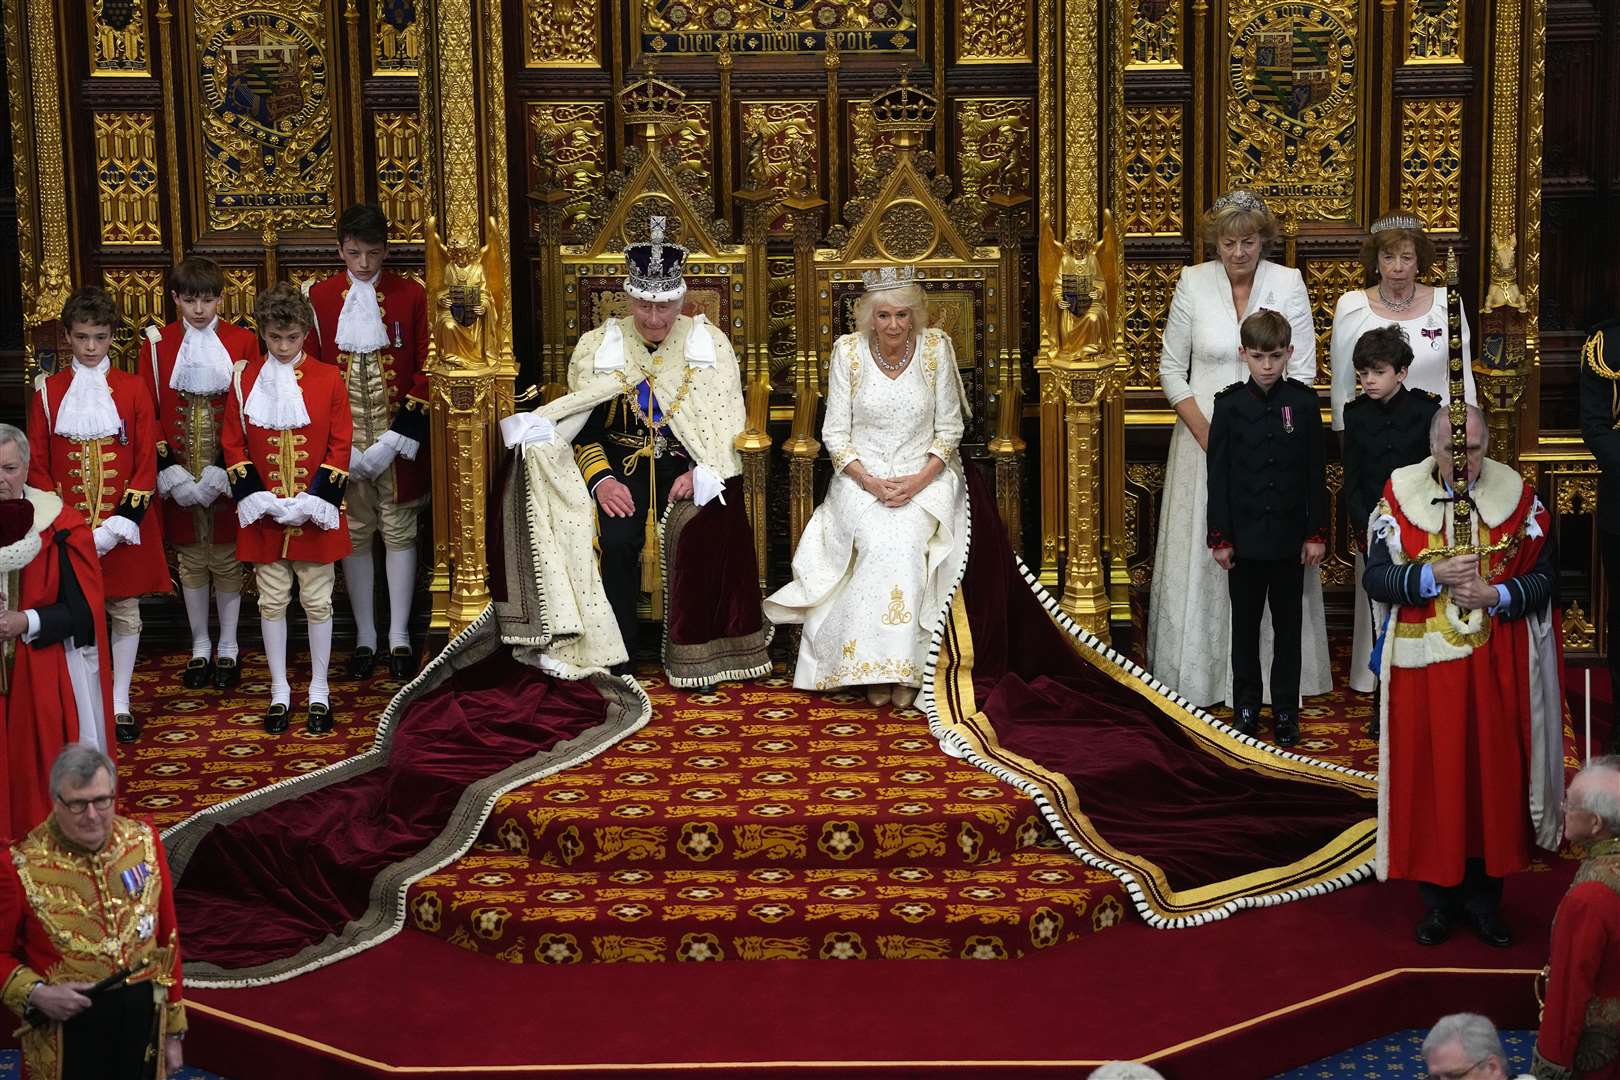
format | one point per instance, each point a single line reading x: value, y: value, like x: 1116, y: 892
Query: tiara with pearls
x: 889, y: 277
x: 1240, y: 199
x: 1399, y: 220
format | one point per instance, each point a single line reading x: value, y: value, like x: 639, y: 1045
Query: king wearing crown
x: 651, y: 481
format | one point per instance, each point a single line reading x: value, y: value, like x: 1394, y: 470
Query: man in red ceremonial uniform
x: 286, y: 440
x: 93, y: 440
x: 188, y: 366
x: 51, y: 608
x: 373, y: 325
x: 1580, y: 1023
x: 86, y: 896
x: 1470, y: 765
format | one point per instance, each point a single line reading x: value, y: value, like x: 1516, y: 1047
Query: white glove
x: 213, y: 484
x: 255, y: 506
x: 354, y: 462
x: 316, y: 510
x: 289, y: 512
x: 405, y: 448
x: 706, y: 485
x: 185, y: 493
x: 123, y: 530
x: 170, y: 478
x: 376, y: 459
x: 105, y: 540
x: 526, y: 427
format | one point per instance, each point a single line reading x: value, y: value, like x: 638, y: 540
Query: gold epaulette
x: 1592, y: 356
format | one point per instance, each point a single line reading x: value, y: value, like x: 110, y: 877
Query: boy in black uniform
x: 1600, y: 425
x: 1267, y: 515
x: 1385, y: 428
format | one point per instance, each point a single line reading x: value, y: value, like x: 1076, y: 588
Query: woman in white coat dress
x: 883, y: 550
x: 1189, y: 614
x: 1395, y: 256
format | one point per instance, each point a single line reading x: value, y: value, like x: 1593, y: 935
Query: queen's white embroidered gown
x: 869, y: 581
x: 1189, y: 643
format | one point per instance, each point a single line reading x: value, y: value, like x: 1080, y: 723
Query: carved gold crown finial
x: 889, y: 277
x: 903, y: 108
x: 651, y: 101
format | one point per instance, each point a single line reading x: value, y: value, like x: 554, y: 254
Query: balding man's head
x: 1592, y: 807
x: 1478, y: 440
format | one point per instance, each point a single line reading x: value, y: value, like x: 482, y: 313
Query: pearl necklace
x: 897, y: 365
x: 1383, y: 298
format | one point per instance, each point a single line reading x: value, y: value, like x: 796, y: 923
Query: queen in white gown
x: 882, y: 552
x: 1190, y: 611
x: 1396, y: 255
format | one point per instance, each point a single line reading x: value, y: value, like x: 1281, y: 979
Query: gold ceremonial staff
x: 1462, y: 507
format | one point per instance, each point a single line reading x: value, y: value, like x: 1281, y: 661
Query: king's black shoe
x: 197, y: 674
x: 1489, y: 928
x: 1287, y: 725
x: 227, y: 673
x: 1435, y: 928
x: 1246, y: 721
x: 362, y: 663
x: 126, y: 728
x: 402, y: 662
x: 320, y: 718
x: 275, y: 719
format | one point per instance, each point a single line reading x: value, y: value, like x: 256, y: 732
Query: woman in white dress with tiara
x: 1396, y: 255
x: 883, y: 550
x: 1189, y: 613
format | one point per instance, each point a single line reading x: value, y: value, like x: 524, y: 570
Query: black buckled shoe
x: 227, y: 673
x: 1287, y: 726
x: 1490, y: 929
x: 320, y: 718
x: 1373, y: 731
x: 362, y: 663
x: 275, y: 719
x: 402, y: 662
x: 126, y: 728
x: 1246, y: 721
x: 1435, y: 928
x: 197, y: 673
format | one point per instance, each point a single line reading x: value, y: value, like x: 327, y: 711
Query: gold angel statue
x: 468, y: 300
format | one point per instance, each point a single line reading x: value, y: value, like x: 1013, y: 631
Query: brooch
x: 1432, y: 334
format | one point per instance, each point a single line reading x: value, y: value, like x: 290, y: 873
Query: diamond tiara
x: 889, y: 277
x: 1397, y: 221
x: 1239, y: 199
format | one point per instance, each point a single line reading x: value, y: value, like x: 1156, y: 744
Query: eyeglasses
x: 79, y: 806
x: 1457, y: 1074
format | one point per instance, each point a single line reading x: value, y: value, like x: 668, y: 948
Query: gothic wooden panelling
x: 788, y: 135
x: 1155, y: 34
x: 241, y: 289
x: 1326, y: 280
x: 1147, y: 289
x: 139, y: 293
x: 695, y: 138
x: 399, y: 173
x: 1292, y: 93
x: 1434, y: 31
x: 745, y: 27
x: 118, y: 37
x: 127, y: 178
x: 993, y: 139
x: 568, y: 141
x: 1150, y: 204
x: 265, y: 110
x: 1431, y: 161
x: 396, y: 38
x: 562, y: 34
x: 993, y: 32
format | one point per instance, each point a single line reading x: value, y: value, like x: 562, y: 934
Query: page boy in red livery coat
x: 188, y: 366
x: 373, y: 325
x: 286, y: 439
x: 93, y: 440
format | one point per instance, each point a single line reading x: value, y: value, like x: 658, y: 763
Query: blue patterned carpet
x: 11, y: 1068
x: 1398, y: 1056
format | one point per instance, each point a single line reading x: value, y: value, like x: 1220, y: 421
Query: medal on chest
x: 1288, y: 419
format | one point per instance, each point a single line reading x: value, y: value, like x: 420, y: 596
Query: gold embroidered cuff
x: 841, y: 459
x: 15, y: 992
x: 137, y: 498
x: 942, y: 450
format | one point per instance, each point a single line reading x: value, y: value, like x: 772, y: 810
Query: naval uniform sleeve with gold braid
x: 588, y: 452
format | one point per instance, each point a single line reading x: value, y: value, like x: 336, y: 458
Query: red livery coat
x: 101, y: 477
x: 319, y: 454
x: 1580, y: 1025
x: 174, y: 422
x: 70, y: 915
x: 405, y: 316
x: 40, y: 716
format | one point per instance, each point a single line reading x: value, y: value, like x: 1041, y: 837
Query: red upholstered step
x: 503, y: 905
